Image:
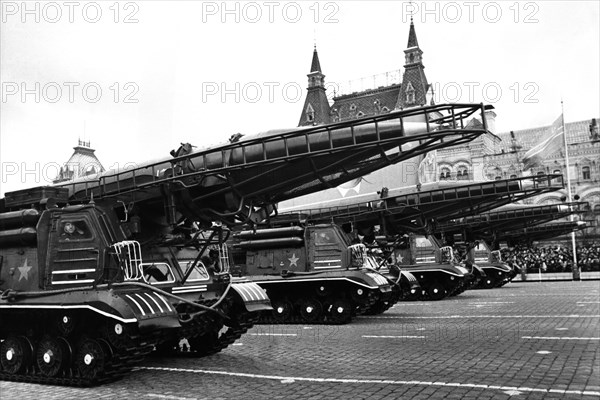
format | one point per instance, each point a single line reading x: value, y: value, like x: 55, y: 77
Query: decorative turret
x: 316, y: 110
x: 83, y: 162
x: 413, y: 92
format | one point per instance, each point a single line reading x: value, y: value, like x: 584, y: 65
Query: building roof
x: 415, y: 75
x: 82, y: 162
x: 368, y: 102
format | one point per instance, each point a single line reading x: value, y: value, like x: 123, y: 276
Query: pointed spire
x: 315, y: 66
x: 412, y: 35
x: 316, y: 108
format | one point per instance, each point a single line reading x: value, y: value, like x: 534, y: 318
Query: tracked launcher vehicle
x: 71, y: 311
x: 497, y: 273
x: 478, y: 233
x: 312, y: 274
x: 386, y: 220
x: 435, y: 266
x: 174, y: 206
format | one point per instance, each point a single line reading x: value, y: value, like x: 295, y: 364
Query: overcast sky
x: 138, y: 78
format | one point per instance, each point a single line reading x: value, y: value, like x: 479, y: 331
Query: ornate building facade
x: 489, y: 157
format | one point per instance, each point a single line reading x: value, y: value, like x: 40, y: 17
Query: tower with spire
x: 316, y: 110
x: 413, y: 92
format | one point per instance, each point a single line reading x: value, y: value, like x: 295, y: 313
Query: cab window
x: 199, y: 273
x: 158, y: 273
x: 325, y: 237
x: 422, y: 242
x: 74, y: 230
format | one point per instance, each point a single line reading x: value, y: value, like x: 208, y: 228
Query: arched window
x: 513, y: 176
x: 585, y: 171
x: 462, y: 174
x: 445, y: 174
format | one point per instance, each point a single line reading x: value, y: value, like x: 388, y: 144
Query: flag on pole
x: 551, y: 143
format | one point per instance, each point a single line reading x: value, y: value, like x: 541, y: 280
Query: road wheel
x: 311, y: 310
x: 53, y: 355
x: 488, y: 282
x: 91, y: 359
x: 360, y: 295
x: 16, y: 354
x: 436, y: 291
x: 341, y: 311
x: 282, y: 310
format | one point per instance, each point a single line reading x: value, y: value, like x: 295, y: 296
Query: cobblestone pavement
x: 522, y: 341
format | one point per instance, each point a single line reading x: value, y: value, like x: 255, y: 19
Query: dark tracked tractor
x: 497, y: 273
x: 434, y: 266
x: 72, y: 309
x: 489, y: 227
x: 312, y: 274
x: 406, y: 223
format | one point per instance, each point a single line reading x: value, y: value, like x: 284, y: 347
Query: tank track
x: 231, y: 334
x: 116, y: 366
x: 379, y: 307
x: 454, y: 291
x: 382, y: 305
x: 208, y: 335
x: 294, y: 319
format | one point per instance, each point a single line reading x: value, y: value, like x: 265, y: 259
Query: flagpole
x: 576, y: 272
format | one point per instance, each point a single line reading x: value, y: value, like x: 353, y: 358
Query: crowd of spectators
x: 553, y: 258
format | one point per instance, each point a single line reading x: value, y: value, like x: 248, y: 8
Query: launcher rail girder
x: 491, y: 223
x: 544, y: 231
x: 412, y: 211
x: 268, y: 169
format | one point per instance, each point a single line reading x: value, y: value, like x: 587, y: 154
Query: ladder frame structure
x: 422, y: 211
x: 492, y: 224
x: 325, y: 156
x: 544, y: 231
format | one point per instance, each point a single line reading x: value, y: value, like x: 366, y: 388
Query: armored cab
x: 434, y: 266
x: 312, y: 274
x: 72, y: 310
